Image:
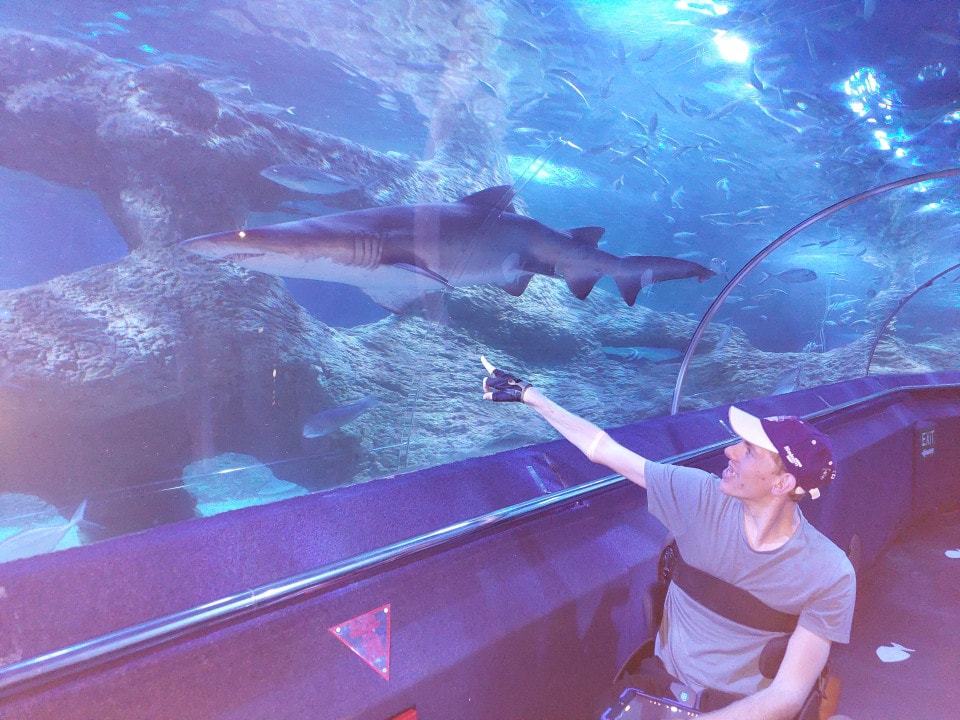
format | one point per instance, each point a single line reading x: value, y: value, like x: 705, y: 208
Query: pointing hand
x: 502, y: 386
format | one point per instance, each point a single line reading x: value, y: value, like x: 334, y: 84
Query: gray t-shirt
x: 807, y: 576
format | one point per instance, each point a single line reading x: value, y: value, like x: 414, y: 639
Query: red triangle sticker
x: 368, y: 635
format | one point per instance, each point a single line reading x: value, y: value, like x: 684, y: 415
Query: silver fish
x: 306, y: 179
x: 332, y: 419
x: 655, y: 355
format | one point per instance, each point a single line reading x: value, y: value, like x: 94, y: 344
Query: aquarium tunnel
x: 253, y: 252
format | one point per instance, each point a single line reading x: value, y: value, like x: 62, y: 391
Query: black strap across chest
x: 728, y: 600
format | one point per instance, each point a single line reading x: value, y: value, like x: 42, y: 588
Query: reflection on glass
x: 645, y: 145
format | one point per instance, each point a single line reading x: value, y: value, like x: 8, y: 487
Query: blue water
x: 852, y: 93
x: 692, y: 129
x: 51, y: 230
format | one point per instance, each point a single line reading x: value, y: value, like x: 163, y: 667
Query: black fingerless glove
x: 504, y: 387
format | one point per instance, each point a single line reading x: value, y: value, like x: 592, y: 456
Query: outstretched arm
x: 590, y: 439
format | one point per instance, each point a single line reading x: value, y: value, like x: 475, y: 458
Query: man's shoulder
x: 666, y: 472
x: 830, y: 555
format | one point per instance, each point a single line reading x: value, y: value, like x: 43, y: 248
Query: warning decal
x: 368, y: 635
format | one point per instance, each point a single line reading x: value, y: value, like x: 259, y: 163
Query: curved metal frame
x: 20, y: 676
x: 904, y: 301
x: 763, y: 254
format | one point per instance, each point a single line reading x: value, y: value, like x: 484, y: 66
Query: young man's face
x: 751, y: 473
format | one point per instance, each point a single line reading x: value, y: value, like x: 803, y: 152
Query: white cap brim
x: 750, y: 429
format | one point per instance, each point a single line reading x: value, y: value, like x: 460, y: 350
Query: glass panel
x: 814, y: 301
x: 145, y: 381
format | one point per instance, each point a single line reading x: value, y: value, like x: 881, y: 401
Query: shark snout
x: 219, y: 246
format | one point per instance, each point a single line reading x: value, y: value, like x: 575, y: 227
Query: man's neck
x: 769, y: 526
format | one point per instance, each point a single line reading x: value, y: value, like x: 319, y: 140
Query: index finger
x: 487, y: 364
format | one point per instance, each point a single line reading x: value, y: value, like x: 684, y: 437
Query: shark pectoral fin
x: 499, y: 197
x: 426, y: 272
x: 396, y: 301
x: 515, y: 276
x: 589, y: 236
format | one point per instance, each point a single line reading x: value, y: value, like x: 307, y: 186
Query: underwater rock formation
x: 114, y: 378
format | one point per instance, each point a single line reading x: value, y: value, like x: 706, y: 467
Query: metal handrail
x: 23, y: 674
x: 883, y: 326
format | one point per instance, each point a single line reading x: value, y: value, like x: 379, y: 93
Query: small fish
x: 488, y: 88
x: 635, y: 120
x: 618, y: 183
x: 655, y: 355
x: 527, y: 131
x: 332, y: 419
x: 684, y: 235
x: 305, y: 179
x: 787, y: 381
x: 793, y: 275
x: 811, y: 49
x: 723, y: 186
x: 710, y: 140
x: 691, y: 107
x: 652, y: 126
x: 273, y: 110
x: 768, y: 295
x: 598, y: 149
x: 570, y: 144
x: 36, y: 541
x: 96, y: 29
x: 724, y: 337
x: 226, y: 86
x: 569, y: 83
x: 675, y: 198
x: 649, y: 51
x: 666, y: 103
x: 605, y: 88
x: 724, y: 109
x: 869, y: 8
x: 521, y: 44
x: 620, y: 53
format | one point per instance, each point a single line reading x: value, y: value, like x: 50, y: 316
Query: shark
x: 398, y: 254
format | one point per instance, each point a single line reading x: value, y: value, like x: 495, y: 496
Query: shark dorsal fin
x: 587, y: 235
x: 493, y: 197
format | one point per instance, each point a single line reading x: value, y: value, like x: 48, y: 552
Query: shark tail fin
x: 636, y: 272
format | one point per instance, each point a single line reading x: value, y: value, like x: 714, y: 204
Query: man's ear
x: 786, y: 483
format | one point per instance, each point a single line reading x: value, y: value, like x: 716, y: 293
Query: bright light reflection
x: 732, y: 49
x: 548, y: 173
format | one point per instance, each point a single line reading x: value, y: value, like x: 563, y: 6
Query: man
x: 745, y: 528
